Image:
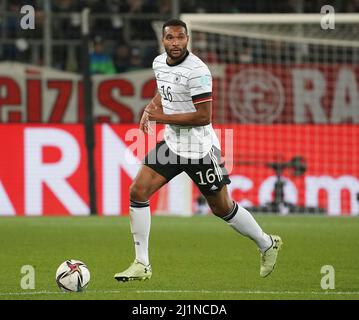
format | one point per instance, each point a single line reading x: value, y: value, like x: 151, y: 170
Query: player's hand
x: 145, y: 125
x: 154, y: 113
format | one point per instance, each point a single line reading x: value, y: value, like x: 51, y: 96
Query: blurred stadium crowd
x: 122, y: 32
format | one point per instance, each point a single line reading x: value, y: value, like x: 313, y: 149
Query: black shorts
x: 208, y: 173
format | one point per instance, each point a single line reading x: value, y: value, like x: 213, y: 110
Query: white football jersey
x: 182, y: 85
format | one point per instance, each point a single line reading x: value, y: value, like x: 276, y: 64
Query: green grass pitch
x: 192, y: 258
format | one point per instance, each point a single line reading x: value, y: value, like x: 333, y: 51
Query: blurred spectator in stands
x: 122, y: 58
x: 241, y: 50
x: 100, y: 61
x: 134, y: 6
x: 246, y: 55
x: 275, y: 51
x: 165, y: 6
x: 66, y: 27
x: 141, y: 28
x: 73, y: 57
x: 11, y: 22
x: 352, y: 6
x: 111, y: 26
x: 135, y: 60
x: 139, y: 6
x: 201, y: 48
x: 149, y: 54
x: 10, y: 25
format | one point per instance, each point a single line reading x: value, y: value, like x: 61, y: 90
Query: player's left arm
x: 201, y: 117
x: 144, y: 122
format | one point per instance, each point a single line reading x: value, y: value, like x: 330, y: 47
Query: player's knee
x: 215, y: 208
x: 138, y: 192
x: 219, y: 209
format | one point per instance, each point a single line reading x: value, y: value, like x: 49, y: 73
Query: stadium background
x: 283, y: 100
x: 286, y: 101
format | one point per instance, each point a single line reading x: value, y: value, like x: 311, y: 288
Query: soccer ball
x: 72, y: 276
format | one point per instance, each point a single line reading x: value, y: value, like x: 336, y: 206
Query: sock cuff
x: 232, y: 213
x: 139, y: 204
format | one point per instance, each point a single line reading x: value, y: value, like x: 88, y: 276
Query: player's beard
x: 177, y: 56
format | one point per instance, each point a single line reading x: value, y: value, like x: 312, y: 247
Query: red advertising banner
x: 331, y: 155
x: 43, y: 168
x: 243, y: 93
x: 299, y: 93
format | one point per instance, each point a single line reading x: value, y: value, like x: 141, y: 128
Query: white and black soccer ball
x: 72, y: 276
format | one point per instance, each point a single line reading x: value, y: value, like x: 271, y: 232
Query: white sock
x: 140, y: 220
x: 243, y: 222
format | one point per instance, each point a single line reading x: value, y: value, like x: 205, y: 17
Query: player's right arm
x: 154, y: 103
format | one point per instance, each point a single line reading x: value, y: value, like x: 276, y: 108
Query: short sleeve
x: 200, y: 84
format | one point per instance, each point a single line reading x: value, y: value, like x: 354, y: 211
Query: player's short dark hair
x: 174, y: 23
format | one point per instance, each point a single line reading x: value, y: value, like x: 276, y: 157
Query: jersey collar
x: 179, y: 61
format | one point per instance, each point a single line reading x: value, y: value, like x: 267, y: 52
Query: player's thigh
x: 220, y: 202
x: 211, y: 178
x: 146, y: 183
x: 208, y: 173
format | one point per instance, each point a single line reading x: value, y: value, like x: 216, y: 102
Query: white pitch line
x: 191, y: 291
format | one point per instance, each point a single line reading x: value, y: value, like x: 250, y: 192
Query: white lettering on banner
x: 241, y: 183
x: 346, y: 98
x: 333, y: 187
x: 266, y: 190
x: 313, y: 185
x: 308, y: 98
x: 115, y: 156
x: 6, y: 207
x: 54, y: 175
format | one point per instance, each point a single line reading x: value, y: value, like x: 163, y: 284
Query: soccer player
x: 184, y: 103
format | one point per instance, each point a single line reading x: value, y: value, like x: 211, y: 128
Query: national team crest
x: 178, y: 77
